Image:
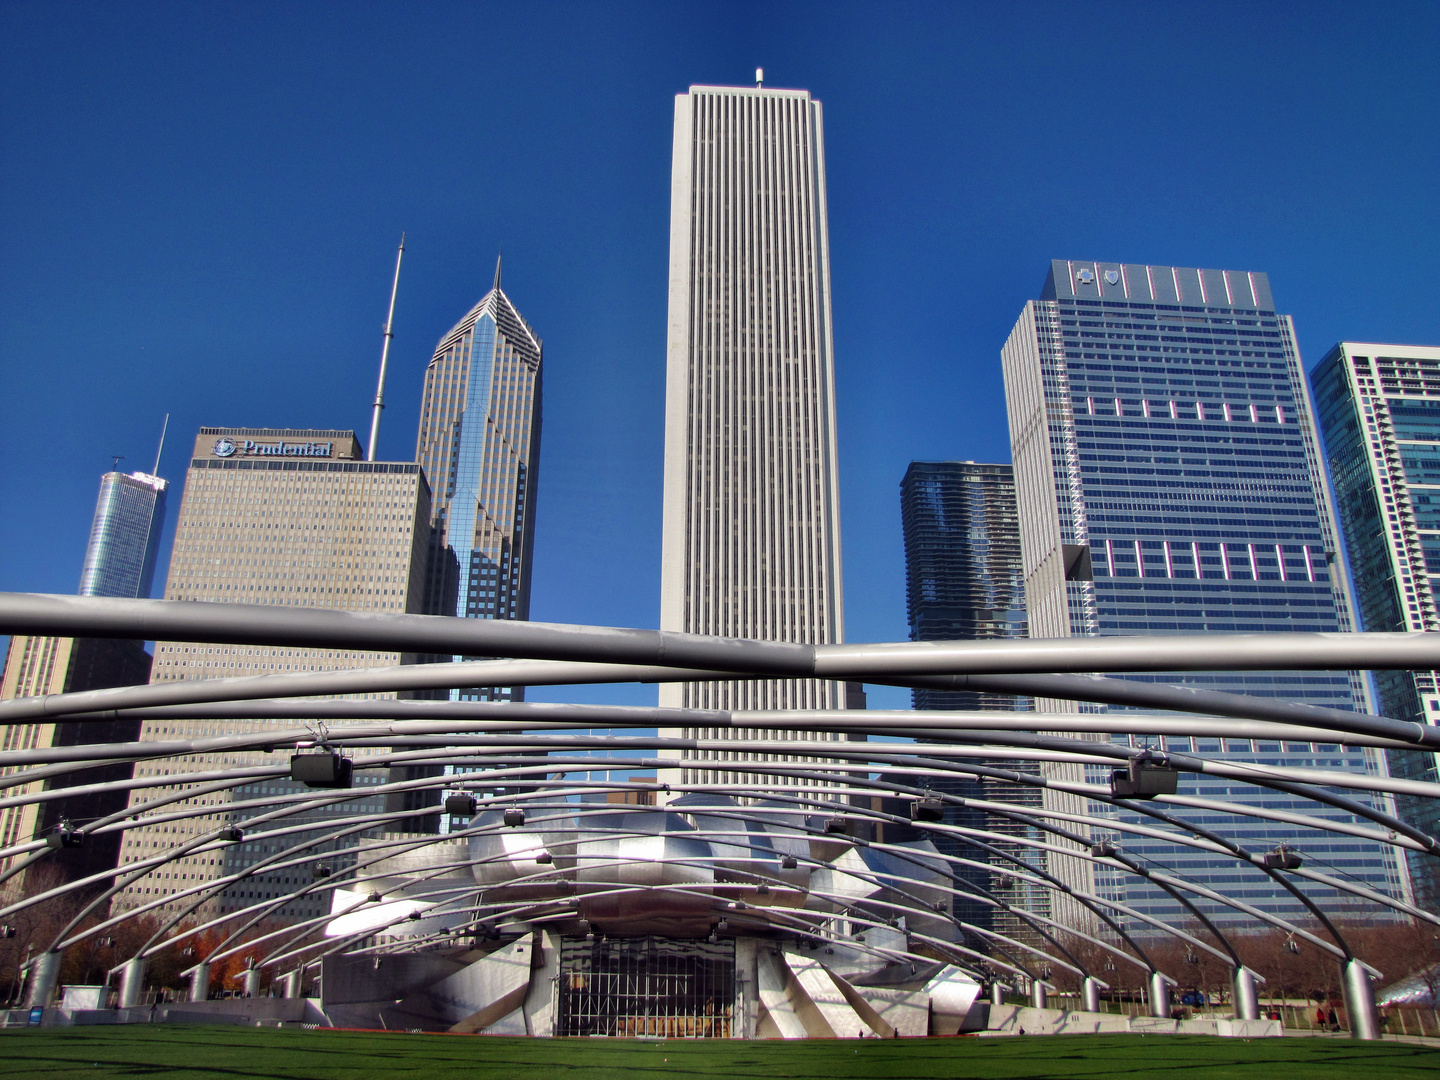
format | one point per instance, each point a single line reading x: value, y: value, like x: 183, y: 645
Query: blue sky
x: 199, y: 205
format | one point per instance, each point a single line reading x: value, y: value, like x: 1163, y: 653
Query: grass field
x: 182, y: 1052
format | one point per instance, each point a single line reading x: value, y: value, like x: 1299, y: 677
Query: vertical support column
x: 997, y: 993
x: 1037, y: 993
x: 1090, y: 994
x: 1360, y: 1002
x: 44, y: 974
x: 1159, y: 996
x: 132, y: 982
x: 1247, y: 1001
x: 292, y: 983
x: 746, y: 1014
x: 252, y: 982
x: 200, y: 982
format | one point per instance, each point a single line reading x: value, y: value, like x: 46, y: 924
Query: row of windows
x: 306, y: 466
x: 1068, y: 305
x: 1199, y: 525
x: 1184, y: 410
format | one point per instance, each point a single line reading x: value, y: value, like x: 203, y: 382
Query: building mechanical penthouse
x: 317, y: 528
x: 1169, y: 481
x: 751, y: 542
x: 1379, y: 410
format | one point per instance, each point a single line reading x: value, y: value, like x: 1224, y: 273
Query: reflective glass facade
x: 480, y: 442
x: 119, y: 562
x: 125, y: 536
x: 1378, y: 407
x: 964, y: 580
x: 1169, y: 481
x: 963, y: 576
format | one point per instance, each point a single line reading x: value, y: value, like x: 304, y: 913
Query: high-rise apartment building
x: 280, y: 517
x: 1378, y: 407
x: 479, y: 443
x: 963, y: 575
x: 1169, y: 481
x: 964, y: 581
x: 751, y: 544
x: 119, y: 561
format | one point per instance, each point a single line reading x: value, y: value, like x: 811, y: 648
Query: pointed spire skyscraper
x: 479, y: 443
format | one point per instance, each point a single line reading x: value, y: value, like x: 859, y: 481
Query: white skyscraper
x: 752, y: 517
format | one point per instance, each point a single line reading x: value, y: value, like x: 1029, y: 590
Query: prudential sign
x: 225, y: 448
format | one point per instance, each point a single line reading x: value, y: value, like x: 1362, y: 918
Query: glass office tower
x: 1378, y: 407
x: 119, y: 562
x: 1169, y: 481
x: 479, y: 442
x: 125, y: 537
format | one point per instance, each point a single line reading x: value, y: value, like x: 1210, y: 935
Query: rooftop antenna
x: 163, y: 428
x: 759, y: 77
x: 385, y: 357
x: 115, y: 460
x: 498, y: 256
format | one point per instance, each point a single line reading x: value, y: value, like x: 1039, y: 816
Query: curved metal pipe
x: 246, y: 624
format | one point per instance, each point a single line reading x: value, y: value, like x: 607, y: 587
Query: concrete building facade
x: 37, y: 666
x: 283, y: 517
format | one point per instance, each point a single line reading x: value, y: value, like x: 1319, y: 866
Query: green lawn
x: 181, y: 1052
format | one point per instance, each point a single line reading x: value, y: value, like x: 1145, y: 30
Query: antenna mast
x: 163, y: 428
x: 385, y: 357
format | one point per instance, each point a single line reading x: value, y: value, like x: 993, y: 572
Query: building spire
x: 163, y: 428
x: 384, y: 359
x: 499, y: 255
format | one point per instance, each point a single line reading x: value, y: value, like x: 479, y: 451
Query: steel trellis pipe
x: 331, y: 798
x: 171, y: 620
x: 827, y: 750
